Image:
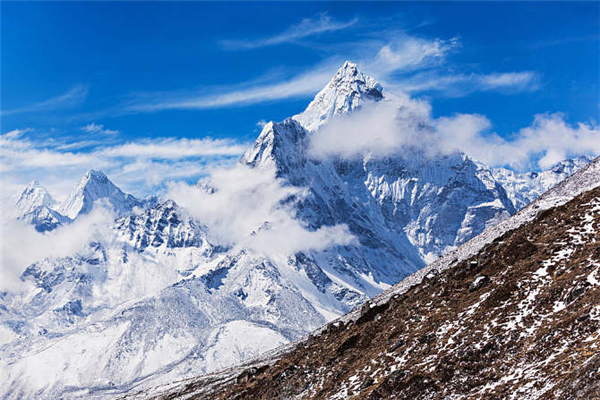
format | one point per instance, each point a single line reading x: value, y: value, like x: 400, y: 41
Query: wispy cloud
x: 459, y: 85
x: 170, y: 148
x: 98, y: 129
x: 245, y: 94
x: 70, y: 98
x: 322, y: 23
x: 402, y: 62
x: 408, y: 53
x: 557, y: 42
x: 140, y: 166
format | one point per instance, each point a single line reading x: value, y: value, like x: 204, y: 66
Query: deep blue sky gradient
x: 119, y: 49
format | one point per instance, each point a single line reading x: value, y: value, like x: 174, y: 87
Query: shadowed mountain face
x: 520, y: 319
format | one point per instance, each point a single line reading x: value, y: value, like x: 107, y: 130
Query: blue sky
x: 108, y: 83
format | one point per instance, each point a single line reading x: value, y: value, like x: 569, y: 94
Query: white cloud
x: 459, y: 85
x: 305, y: 28
x: 171, y: 148
x: 375, y: 129
x: 385, y: 129
x: 248, y: 93
x: 548, y: 140
x: 70, y: 98
x: 251, y: 207
x: 17, y: 251
x: 140, y: 167
x: 99, y: 129
x: 408, y: 53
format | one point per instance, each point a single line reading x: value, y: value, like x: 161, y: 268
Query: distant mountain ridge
x: 42, y: 211
x: 523, y: 188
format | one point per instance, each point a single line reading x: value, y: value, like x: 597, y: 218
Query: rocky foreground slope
x: 515, y: 313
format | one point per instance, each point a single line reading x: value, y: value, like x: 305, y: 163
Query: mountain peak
x: 95, y: 185
x: 33, y: 184
x: 347, y: 91
x: 33, y: 196
x: 348, y: 68
x: 95, y: 176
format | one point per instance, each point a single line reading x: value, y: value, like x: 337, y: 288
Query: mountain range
x: 157, y: 297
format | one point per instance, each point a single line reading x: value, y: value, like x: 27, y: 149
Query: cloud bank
x: 252, y: 208
x: 388, y: 128
x: 140, y: 167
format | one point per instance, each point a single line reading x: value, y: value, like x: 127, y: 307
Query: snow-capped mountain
x: 37, y: 207
x: 347, y: 91
x: 94, y: 186
x: 33, y: 196
x: 523, y: 188
x: 154, y: 297
x: 407, y: 201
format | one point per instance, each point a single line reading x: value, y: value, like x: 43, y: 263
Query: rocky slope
x: 515, y: 315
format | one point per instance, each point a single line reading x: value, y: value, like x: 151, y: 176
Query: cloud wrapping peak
x: 388, y: 128
x: 252, y: 207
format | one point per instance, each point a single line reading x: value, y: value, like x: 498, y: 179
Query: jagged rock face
x: 523, y: 188
x: 162, y: 225
x: 92, y: 187
x: 518, y: 320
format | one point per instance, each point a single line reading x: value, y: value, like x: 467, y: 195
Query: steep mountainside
x: 519, y: 318
x: 417, y: 207
x: 92, y: 187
